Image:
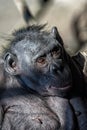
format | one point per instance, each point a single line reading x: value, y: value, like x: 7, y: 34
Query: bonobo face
x: 41, y: 65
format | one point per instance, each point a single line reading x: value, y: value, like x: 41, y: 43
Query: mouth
x: 64, y: 88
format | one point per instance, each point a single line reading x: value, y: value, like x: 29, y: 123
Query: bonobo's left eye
x: 41, y: 61
x: 56, y: 52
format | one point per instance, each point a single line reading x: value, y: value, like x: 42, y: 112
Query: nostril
x: 54, y: 69
x: 57, y: 68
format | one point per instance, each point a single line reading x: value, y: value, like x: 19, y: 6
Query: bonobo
x: 43, y: 88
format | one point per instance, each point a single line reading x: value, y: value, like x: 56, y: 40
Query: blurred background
x: 70, y: 17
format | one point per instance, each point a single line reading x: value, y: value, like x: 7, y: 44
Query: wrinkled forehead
x: 34, y: 46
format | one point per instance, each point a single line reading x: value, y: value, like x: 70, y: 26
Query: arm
x: 1, y: 116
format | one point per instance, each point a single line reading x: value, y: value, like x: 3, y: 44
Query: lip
x: 66, y: 87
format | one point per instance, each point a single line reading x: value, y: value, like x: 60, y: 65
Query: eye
x: 56, y: 52
x: 41, y: 61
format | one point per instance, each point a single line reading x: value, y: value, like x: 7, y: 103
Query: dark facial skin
x: 43, y: 60
x: 38, y: 76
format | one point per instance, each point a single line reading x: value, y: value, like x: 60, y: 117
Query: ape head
x: 38, y: 61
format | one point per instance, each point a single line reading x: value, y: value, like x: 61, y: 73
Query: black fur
x: 41, y: 85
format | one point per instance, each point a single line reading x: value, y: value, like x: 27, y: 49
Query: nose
x: 56, y: 68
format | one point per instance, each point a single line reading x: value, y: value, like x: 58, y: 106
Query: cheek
x: 46, y: 77
x: 67, y: 73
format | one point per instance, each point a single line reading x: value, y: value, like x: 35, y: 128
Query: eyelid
x: 55, y: 48
x: 56, y: 52
x: 42, y: 56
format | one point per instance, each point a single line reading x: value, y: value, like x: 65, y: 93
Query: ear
x: 10, y: 63
x: 56, y: 35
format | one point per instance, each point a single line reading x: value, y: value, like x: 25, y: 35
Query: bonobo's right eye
x: 41, y: 61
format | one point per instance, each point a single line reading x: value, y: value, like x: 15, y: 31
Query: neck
x: 24, y: 84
